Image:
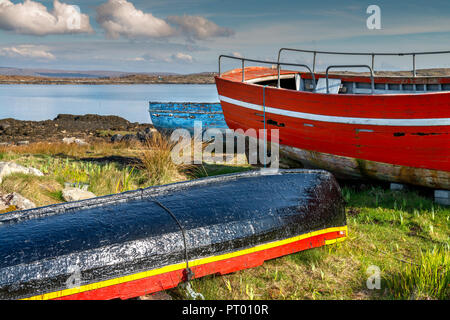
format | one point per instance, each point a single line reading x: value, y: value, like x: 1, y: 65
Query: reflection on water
x: 42, y: 102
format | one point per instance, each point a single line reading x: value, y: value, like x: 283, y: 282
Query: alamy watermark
x: 222, y: 145
x: 374, y: 279
x: 374, y: 20
x: 74, y: 281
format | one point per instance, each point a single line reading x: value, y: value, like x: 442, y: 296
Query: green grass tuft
x: 428, y: 279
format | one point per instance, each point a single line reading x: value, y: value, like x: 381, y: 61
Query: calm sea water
x: 42, y: 102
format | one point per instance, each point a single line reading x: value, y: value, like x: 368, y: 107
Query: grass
x: 429, y: 279
x: 60, y: 149
x: 157, y: 161
x: 40, y: 190
x: 106, y: 168
x: 403, y: 233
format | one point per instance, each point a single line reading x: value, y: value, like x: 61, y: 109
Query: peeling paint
x: 425, y: 134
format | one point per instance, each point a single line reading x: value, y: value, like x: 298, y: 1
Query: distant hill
x: 52, y: 73
x: 103, y: 78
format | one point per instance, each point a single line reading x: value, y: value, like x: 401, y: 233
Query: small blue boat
x: 168, y: 116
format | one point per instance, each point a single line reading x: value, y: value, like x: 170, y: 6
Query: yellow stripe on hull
x: 193, y: 263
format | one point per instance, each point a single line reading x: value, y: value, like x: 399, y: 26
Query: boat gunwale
x: 237, y: 78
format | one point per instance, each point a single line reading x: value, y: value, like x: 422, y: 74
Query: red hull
x: 406, y: 130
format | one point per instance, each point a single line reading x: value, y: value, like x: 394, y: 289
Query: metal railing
x: 372, y: 81
x: 372, y: 54
x: 278, y: 64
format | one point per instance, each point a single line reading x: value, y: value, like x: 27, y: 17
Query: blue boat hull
x: 168, y: 116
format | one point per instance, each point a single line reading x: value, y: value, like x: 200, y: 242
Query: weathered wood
x: 346, y: 167
x: 168, y: 116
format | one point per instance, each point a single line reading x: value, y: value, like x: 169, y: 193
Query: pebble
x: 76, y: 194
x: 16, y: 200
x: 80, y: 142
x: 7, y: 168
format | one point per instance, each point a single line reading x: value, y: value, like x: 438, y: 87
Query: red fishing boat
x: 359, y: 125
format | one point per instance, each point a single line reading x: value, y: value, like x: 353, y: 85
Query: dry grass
x: 107, y: 168
x: 157, y: 161
x: 40, y: 190
x: 102, y: 148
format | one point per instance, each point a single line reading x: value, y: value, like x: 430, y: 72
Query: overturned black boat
x: 139, y: 242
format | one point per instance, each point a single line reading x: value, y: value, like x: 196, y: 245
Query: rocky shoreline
x: 197, y: 78
x: 66, y: 126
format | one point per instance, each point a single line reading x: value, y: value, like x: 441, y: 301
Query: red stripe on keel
x: 171, y: 279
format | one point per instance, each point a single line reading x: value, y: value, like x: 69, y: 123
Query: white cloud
x: 121, y: 18
x: 182, y: 57
x: 33, y: 18
x: 27, y: 51
x: 137, y: 59
x: 198, y: 27
x: 156, y: 57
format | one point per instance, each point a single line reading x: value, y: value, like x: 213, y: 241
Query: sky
x: 187, y: 36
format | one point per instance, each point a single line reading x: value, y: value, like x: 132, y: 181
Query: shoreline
x: 202, y: 78
x: 89, y: 127
x: 195, y: 78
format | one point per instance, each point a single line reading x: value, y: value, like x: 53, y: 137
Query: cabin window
x: 394, y: 86
x: 420, y: 87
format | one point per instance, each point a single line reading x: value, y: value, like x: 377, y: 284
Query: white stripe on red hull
x: 344, y: 120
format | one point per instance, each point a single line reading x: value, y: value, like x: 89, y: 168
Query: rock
x: 20, y: 202
x: 150, y: 130
x: 143, y: 136
x: 4, y: 126
x: 80, y: 142
x: 442, y: 197
x: 75, y: 194
x: 16, y: 200
x: 397, y: 186
x: 68, y: 140
x: 116, y: 138
x: 130, y: 137
x: 23, y: 143
x: 7, y: 168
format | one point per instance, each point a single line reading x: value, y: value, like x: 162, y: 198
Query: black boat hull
x: 129, y: 244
